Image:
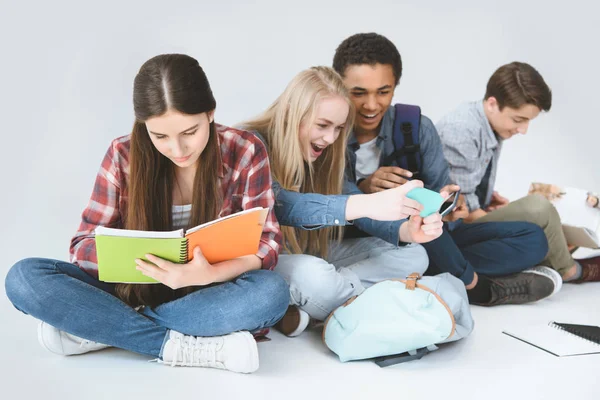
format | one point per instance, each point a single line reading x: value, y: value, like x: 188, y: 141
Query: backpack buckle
x: 411, y: 281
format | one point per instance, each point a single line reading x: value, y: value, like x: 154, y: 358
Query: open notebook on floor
x: 559, y: 339
x: 581, y: 222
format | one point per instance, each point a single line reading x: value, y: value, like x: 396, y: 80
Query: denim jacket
x: 314, y: 211
x: 434, y: 169
x: 434, y: 172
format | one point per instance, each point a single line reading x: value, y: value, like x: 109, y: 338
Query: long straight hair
x: 280, y: 126
x: 167, y: 82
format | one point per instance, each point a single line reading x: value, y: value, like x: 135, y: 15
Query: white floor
x: 486, y: 365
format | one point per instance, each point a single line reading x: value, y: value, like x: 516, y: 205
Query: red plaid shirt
x: 245, y: 183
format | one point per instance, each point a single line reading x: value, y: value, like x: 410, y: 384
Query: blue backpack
x: 406, y: 153
x: 395, y: 316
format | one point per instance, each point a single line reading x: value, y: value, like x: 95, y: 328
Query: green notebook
x: 118, y: 254
x: 225, y: 238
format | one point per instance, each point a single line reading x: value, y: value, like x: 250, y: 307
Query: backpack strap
x: 407, y: 122
x: 417, y: 354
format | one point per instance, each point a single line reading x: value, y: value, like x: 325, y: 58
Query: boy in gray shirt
x: 472, y: 137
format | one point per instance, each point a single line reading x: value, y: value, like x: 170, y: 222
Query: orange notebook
x: 226, y: 238
x: 233, y: 236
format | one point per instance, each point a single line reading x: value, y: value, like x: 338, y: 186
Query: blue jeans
x: 490, y: 248
x: 69, y: 299
x: 319, y: 287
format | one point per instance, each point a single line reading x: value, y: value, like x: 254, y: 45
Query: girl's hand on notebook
x: 197, y: 272
x: 421, y: 230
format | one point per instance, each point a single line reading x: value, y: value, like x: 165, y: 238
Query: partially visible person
x: 592, y: 200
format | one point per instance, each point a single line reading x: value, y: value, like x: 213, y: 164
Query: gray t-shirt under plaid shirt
x: 472, y: 150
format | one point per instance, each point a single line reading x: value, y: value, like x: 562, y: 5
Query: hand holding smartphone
x: 449, y: 203
x: 433, y: 202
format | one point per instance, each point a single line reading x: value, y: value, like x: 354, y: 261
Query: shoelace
x: 198, y: 352
x: 519, y: 288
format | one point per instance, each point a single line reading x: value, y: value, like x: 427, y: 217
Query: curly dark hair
x: 367, y: 48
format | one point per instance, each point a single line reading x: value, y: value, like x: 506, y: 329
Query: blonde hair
x: 280, y: 126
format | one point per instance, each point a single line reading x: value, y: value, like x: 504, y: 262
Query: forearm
x: 230, y: 269
x: 386, y: 230
x: 309, y: 210
x: 357, y: 206
x: 403, y: 234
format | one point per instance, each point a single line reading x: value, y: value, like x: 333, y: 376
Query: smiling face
x: 509, y: 122
x: 329, y: 121
x: 180, y: 137
x: 371, y: 90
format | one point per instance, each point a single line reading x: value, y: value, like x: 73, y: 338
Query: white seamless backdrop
x: 67, y: 70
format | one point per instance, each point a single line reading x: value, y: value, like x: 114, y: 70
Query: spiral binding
x: 183, y: 252
x: 578, y: 334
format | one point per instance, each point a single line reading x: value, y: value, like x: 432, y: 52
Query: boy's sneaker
x: 525, y: 287
x: 590, y: 270
x: 294, y: 322
x: 235, y: 352
x: 550, y: 273
x: 63, y: 343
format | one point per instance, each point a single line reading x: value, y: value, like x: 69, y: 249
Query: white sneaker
x: 63, y: 343
x: 550, y: 273
x: 235, y: 352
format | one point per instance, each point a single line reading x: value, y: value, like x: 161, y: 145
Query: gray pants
x: 538, y: 210
x: 319, y: 287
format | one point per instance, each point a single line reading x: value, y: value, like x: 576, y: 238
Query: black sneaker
x: 524, y: 287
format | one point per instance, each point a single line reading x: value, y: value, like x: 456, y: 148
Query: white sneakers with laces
x: 63, y: 343
x: 235, y: 352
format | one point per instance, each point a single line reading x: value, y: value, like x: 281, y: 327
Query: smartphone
x: 449, y: 204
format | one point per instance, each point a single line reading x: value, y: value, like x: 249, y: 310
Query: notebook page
x: 196, y: 228
x: 574, y: 211
x: 552, y: 340
x: 103, y: 231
